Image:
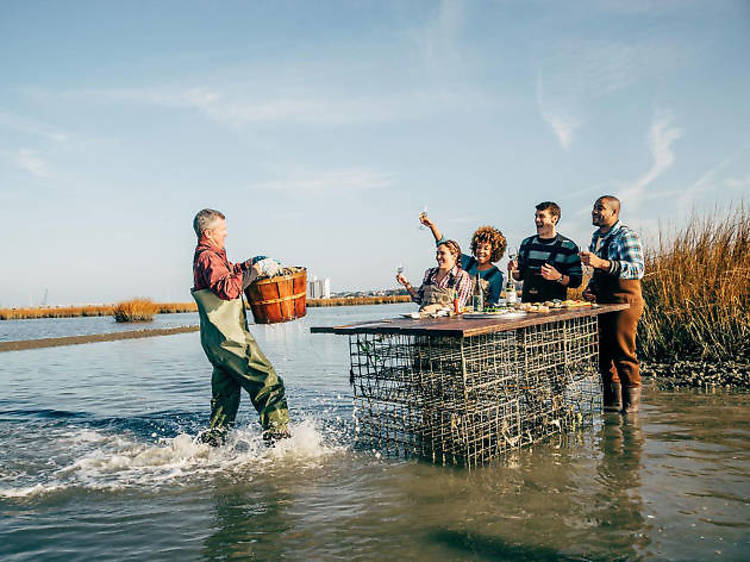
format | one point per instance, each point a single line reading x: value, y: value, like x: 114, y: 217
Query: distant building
x: 319, y: 288
x: 312, y: 288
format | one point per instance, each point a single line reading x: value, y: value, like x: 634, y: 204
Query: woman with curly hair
x: 487, y: 246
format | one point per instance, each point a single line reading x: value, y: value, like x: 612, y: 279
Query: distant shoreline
x: 171, y: 308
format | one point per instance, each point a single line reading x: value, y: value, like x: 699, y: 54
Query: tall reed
x: 135, y: 310
x: 697, y: 291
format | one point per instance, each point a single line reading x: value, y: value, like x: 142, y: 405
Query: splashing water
x: 100, y: 461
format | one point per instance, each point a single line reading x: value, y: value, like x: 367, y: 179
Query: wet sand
x: 92, y: 338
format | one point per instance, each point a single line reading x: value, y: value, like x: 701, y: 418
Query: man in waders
x: 237, y: 360
x: 548, y: 263
x: 616, y: 255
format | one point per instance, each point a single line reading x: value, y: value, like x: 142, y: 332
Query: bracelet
x: 560, y: 279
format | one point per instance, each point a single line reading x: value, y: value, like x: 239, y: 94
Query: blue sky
x: 322, y: 128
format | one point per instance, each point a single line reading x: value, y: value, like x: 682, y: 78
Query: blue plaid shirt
x: 625, y: 253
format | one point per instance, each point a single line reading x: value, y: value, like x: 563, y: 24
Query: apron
x: 437, y: 295
x: 538, y: 289
x: 615, y: 290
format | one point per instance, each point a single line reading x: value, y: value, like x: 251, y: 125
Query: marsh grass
x: 697, y: 291
x: 89, y: 310
x: 353, y: 301
x: 135, y: 310
x: 55, y: 312
x: 171, y: 307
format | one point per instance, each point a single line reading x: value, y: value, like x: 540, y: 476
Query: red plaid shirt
x: 212, y: 270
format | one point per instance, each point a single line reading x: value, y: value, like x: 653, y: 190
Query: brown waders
x: 238, y: 363
x: 618, y: 363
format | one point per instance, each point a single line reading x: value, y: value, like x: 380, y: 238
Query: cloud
x: 31, y: 162
x: 558, y: 114
x: 343, y: 180
x: 710, y: 180
x: 662, y: 135
x: 240, y: 107
x: 31, y: 127
x: 577, y: 74
x: 738, y: 183
x: 437, y: 39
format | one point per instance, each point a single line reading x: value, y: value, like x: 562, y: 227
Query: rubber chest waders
x: 618, y: 361
x: 238, y: 363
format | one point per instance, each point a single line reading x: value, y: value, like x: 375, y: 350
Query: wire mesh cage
x: 466, y: 400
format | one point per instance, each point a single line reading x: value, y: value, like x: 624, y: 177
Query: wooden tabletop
x: 457, y: 326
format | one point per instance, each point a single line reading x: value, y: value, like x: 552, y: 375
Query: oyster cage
x: 467, y: 400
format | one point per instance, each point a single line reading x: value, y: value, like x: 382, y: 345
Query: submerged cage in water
x: 467, y: 399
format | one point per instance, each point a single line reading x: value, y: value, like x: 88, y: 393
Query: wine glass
x: 512, y: 253
x: 400, y: 269
x: 422, y: 214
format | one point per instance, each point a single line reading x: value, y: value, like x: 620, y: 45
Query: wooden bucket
x: 278, y: 299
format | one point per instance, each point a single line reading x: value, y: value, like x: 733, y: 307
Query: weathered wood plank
x: 463, y: 327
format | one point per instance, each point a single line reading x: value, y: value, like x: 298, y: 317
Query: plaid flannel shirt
x: 457, y: 278
x: 212, y: 270
x: 625, y: 253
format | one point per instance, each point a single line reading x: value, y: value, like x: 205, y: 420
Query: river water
x: 97, y: 462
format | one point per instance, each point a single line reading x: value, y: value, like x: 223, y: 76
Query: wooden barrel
x: 278, y: 299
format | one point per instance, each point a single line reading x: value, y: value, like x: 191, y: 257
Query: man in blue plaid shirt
x: 616, y: 254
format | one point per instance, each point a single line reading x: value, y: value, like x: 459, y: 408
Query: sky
x: 322, y: 129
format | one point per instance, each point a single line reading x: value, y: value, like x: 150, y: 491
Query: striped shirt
x: 622, y: 247
x: 535, y: 252
x: 456, y: 279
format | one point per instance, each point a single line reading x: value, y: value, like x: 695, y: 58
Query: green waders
x: 238, y: 363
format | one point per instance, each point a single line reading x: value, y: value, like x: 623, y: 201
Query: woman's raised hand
x: 401, y: 280
x: 425, y: 220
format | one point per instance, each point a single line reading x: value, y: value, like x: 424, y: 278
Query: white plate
x: 514, y: 314
x: 500, y: 315
x: 413, y: 315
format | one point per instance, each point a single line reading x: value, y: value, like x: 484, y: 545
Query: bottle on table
x: 478, y: 297
x: 510, y: 291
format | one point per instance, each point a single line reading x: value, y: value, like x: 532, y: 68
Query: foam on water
x: 97, y: 460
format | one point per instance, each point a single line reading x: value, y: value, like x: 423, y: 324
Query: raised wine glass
x: 422, y: 214
x: 512, y: 254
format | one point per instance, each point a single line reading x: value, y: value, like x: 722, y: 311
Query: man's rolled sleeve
x: 630, y: 264
x: 223, y: 282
